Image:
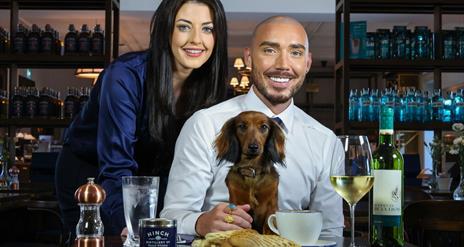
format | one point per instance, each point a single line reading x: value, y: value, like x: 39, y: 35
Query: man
x: 197, y: 194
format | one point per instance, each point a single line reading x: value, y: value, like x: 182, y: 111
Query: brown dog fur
x: 253, y: 142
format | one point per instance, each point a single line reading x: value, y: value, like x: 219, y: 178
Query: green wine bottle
x: 386, y: 212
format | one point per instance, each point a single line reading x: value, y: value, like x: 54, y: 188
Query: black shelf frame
x: 111, y: 10
x: 345, y: 67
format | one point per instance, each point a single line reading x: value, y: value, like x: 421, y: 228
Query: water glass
x: 140, y: 196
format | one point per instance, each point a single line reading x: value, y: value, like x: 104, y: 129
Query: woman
x: 139, y: 104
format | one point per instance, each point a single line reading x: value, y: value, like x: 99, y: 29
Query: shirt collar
x: 254, y: 103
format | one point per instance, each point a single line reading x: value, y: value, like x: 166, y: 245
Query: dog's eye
x: 241, y: 126
x: 264, y: 127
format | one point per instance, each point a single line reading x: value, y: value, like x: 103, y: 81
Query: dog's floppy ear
x: 275, y: 144
x: 226, y: 144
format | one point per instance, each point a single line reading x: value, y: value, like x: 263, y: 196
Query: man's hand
x: 214, y: 220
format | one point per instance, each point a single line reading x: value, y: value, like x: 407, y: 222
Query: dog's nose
x: 253, y: 148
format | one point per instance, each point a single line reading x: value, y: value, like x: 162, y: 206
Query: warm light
x: 244, y: 82
x: 238, y: 63
x: 234, y: 82
x: 88, y: 73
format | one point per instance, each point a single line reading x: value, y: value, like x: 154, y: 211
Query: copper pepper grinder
x: 89, y: 229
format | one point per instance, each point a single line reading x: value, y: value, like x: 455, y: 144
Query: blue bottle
x: 353, y: 110
x: 374, y: 107
x: 449, y: 51
x: 410, y: 105
x: 383, y: 44
x: 428, y: 106
x: 365, y: 102
x: 421, y: 36
x: 448, y: 106
x: 420, y: 107
x: 459, y: 106
x: 437, y: 106
x: 399, y: 42
x: 399, y: 106
x: 459, y: 42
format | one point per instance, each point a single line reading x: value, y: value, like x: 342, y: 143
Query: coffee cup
x: 301, y: 226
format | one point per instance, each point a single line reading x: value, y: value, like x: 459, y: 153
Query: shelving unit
x: 15, y: 61
x: 346, y: 67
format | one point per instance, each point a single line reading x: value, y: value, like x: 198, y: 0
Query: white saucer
x: 321, y: 243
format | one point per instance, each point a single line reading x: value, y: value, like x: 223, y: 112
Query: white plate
x: 321, y: 243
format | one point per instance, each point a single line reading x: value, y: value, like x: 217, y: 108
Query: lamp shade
x: 244, y: 81
x: 234, y: 82
x: 89, y: 73
x: 238, y: 63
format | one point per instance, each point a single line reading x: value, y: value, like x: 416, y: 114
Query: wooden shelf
x: 52, y: 61
x: 36, y: 122
x: 397, y: 65
x: 401, y: 126
x: 59, y: 4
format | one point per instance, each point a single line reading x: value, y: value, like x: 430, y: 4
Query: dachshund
x: 253, y: 142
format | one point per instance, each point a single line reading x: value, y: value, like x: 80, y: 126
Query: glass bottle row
x: 410, y: 105
x: 402, y: 43
x: 25, y: 41
x: 29, y: 102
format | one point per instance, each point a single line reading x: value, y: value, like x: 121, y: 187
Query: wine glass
x: 353, y: 179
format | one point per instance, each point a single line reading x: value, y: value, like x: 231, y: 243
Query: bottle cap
x: 90, y: 193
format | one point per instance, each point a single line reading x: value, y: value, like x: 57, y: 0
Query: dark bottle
x: 85, y: 95
x: 44, y: 103
x: 459, y: 42
x: 5, y: 178
x: 98, y: 41
x: 33, y: 40
x: 47, y: 40
x: 370, y: 45
x: 448, y: 45
x: 421, y: 41
x: 383, y: 44
x: 3, y: 40
x: 399, y: 42
x: 83, y: 41
x: 19, y: 41
x: 71, y: 104
x: 32, y: 102
x: 17, y: 103
x: 70, y: 41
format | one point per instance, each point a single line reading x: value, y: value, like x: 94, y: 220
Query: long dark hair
x: 204, y: 87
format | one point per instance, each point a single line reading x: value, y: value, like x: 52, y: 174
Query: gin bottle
x: 420, y: 107
x: 374, y: 106
x: 410, y: 106
x: 459, y: 107
x: 437, y: 105
x: 448, y: 106
x: 365, y: 102
x: 353, y: 109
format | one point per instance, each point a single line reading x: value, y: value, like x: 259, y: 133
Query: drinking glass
x: 140, y: 197
x: 353, y: 180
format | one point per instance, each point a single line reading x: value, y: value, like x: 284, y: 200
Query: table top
x: 117, y: 241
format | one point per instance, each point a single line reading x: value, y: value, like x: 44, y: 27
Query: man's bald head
x: 279, y: 19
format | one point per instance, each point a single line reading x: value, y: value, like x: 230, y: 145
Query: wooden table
x: 117, y: 241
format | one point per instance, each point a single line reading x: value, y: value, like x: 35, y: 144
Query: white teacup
x: 301, y: 226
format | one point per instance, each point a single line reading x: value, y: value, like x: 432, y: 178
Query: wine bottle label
x: 387, y: 197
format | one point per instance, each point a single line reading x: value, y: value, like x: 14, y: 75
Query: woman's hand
x: 124, y: 232
x: 216, y: 219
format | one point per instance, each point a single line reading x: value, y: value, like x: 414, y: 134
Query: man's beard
x: 274, y: 99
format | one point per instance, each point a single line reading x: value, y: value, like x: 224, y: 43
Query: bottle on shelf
x: 437, y: 105
x: 33, y: 40
x: 459, y: 42
x: 386, y: 198
x: 71, y: 104
x: 4, y: 39
x: 20, y: 40
x: 421, y: 42
x: 374, y: 106
x: 448, y: 106
x: 419, y: 116
x: 98, y: 41
x: 14, y: 178
x: 17, y: 103
x: 459, y: 106
x: 399, y: 43
x: 44, y: 103
x: 47, y: 40
x: 31, y: 102
x: 353, y: 105
x: 70, y: 41
x: 5, y: 178
x: 83, y: 41
x: 383, y: 44
x: 449, y: 51
x: 364, y: 104
x: 410, y: 105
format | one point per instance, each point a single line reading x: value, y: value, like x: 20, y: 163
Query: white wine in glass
x: 353, y: 180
